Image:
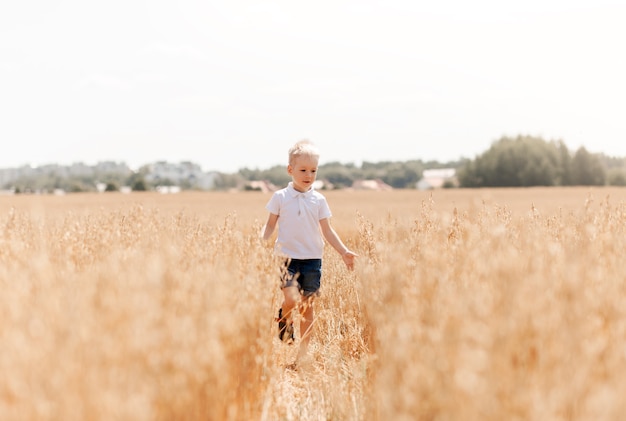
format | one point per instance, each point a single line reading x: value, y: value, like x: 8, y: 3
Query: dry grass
x: 466, y: 304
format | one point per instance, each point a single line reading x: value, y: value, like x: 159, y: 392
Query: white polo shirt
x: 299, y: 234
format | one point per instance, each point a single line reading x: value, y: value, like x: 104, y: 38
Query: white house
x: 436, y: 178
x: 263, y: 186
x: 371, y: 185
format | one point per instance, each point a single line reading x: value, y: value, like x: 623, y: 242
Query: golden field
x: 491, y: 304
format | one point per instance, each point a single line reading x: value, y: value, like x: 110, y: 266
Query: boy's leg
x: 290, y: 288
x: 306, y: 325
x: 285, y: 323
x: 291, y: 299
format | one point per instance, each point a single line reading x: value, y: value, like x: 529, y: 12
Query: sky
x: 233, y: 84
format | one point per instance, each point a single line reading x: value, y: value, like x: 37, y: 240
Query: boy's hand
x: 348, y: 258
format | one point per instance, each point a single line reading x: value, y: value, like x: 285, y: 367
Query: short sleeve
x: 273, y: 206
x: 324, y: 209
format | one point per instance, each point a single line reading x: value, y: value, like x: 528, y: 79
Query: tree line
x: 341, y: 175
x: 526, y: 161
x: 521, y: 161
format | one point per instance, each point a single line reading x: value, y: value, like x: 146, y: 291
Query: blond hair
x: 303, y: 148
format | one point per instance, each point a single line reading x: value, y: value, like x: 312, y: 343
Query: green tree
x: 564, y: 171
x: 513, y: 162
x: 616, y: 177
x: 401, y: 175
x: 276, y: 175
x: 587, y: 170
x: 111, y: 187
x: 139, y: 184
x: 137, y: 180
x: 338, y: 174
x: 375, y: 170
x: 76, y: 188
x: 226, y: 181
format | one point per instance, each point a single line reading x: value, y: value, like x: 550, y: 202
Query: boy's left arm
x: 333, y: 239
x: 269, y: 227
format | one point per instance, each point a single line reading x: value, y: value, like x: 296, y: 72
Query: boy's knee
x: 292, y: 296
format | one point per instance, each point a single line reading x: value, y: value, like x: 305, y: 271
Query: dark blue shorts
x: 306, y: 274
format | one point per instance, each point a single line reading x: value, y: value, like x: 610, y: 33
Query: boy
x: 303, y: 216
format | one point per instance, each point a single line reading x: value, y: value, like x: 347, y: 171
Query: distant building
x: 323, y: 185
x: 101, y: 187
x: 437, y: 178
x: 262, y: 185
x: 377, y: 184
x: 168, y: 189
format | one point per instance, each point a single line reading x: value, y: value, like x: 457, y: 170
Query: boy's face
x: 303, y: 172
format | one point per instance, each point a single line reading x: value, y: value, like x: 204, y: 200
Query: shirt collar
x: 294, y: 193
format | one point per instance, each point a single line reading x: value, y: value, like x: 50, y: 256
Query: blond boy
x: 303, y: 219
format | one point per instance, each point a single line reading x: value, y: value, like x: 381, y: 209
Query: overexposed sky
x: 232, y: 84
